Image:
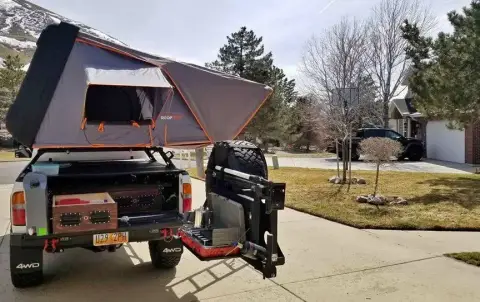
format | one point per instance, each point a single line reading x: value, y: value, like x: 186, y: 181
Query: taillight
x: 18, y: 209
x: 187, y: 197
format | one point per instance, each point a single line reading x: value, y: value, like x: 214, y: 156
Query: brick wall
x: 472, y: 144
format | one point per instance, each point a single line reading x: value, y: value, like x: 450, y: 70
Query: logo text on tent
x: 169, y: 117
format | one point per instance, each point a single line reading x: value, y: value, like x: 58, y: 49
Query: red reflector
x: 18, y: 217
x: 71, y: 201
x: 187, y: 204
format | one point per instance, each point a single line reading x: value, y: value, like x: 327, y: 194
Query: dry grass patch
x: 7, y: 155
x: 472, y: 258
x: 436, y: 201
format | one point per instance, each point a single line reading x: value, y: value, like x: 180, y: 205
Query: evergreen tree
x: 446, y: 69
x: 305, y: 125
x: 11, y: 77
x: 244, y: 55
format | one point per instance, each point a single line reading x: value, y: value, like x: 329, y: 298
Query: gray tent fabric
x: 176, y: 124
x: 68, y: 103
x: 138, y: 99
x: 222, y: 104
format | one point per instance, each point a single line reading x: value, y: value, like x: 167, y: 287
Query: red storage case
x: 84, y: 212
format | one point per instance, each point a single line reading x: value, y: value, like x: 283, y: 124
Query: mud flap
x: 25, y: 261
x: 169, y: 247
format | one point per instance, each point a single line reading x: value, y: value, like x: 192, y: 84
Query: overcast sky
x: 193, y: 31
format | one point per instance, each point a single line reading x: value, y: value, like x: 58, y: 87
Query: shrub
x: 379, y: 151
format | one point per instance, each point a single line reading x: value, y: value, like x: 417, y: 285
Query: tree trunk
x: 385, y: 112
x: 376, y: 180
x: 349, y: 161
x: 308, y: 148
x: 345, y: 160
x: 338, y: 159
x: 199, y: 161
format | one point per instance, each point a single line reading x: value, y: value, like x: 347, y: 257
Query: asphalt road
x: 10, y: 170
x: 325, y: 261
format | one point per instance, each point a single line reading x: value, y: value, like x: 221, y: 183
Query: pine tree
x: 11, y: 77
x: 446, y: 69
x: 244, y: 55
x: 305, y: 125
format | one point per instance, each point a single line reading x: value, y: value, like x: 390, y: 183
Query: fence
x: 187, y: 157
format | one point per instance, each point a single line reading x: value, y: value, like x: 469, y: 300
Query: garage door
x: 445, y: 144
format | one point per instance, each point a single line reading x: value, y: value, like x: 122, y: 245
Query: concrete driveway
x: 430, y: 166
x: 325, y: 261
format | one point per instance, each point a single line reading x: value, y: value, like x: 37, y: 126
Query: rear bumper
x: 147, y: 232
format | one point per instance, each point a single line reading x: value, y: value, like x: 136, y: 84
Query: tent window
x: 119, y: 103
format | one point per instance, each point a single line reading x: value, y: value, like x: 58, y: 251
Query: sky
x: 193, y: 31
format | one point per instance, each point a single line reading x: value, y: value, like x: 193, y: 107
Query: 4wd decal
x: 172, y: 250
x: 27, y: 266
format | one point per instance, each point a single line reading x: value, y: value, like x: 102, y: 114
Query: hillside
x: 21, y: 23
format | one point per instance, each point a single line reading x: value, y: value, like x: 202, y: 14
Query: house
x: 441, y: 143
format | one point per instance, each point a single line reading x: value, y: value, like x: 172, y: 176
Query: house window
x: 393, y: 135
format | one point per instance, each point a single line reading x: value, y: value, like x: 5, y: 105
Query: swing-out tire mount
x: 238, y: 170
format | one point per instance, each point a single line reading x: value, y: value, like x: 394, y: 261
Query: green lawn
x: 472, y: 258
x: 436, y: 201
x: 9, y: 155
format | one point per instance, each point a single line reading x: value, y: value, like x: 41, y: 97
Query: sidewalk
x: 429, y: 166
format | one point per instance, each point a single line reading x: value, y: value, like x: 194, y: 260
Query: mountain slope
x: 21, y: 23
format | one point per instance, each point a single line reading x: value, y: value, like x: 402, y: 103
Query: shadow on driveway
x: 81, y: 275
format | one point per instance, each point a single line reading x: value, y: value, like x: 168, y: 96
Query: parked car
x: 413, y: 149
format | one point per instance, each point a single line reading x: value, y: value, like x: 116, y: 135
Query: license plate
x: 110, y: 238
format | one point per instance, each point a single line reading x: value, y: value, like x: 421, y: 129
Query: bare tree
x: 335, y: 66
x: 379, y: 151
x: 388, y: 61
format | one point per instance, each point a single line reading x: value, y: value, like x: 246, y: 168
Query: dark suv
x: 413, y: 149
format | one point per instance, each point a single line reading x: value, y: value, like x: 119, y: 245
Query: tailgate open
x: 238, y: 219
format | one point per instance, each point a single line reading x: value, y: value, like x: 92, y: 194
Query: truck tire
x: 355, y: 157
x: 26, y: 280
x: 415, y: 153
x: 241, y: 156
x: 159, y: 259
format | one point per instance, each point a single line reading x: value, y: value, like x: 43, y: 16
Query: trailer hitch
x: 267, y: 256
x: 264, y: 199
x: 50, y: 246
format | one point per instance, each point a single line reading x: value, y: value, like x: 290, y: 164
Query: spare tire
x: 241, y: 156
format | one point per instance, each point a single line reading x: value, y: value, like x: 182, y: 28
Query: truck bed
x: 147, y: 193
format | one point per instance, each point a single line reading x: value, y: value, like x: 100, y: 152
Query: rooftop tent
x: 82, y: 91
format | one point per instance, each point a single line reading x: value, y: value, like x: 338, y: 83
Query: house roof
x: 404, y: 107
